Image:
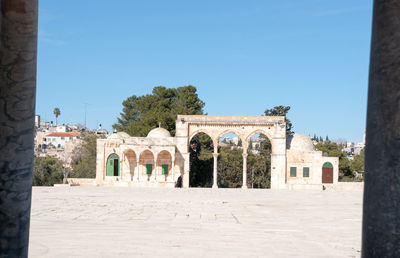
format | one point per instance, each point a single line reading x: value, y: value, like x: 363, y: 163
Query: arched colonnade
x: 274, y: 127
x: 145, y: 165
x: 245, y: 140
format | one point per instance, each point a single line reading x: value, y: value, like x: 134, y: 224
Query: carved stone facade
x: 159, y: 160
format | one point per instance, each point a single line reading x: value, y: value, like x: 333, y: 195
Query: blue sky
x: 243, y: 57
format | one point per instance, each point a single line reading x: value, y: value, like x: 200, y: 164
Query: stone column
x: 173, y: 169
x: 155, y: 168
x: 278, y: 163
x: 381, y: 210
x: 122, y: 166
x: 244, y: 186
x: 100, y: 162
x: 186, y: 170
x: 215, y: 184
x: 18, y: 35
x: 138, y: 168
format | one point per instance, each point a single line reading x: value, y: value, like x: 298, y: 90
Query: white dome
x: 159, y: 133
x: 123, y: 135
x: 119, y: 135
x: 299, y: 142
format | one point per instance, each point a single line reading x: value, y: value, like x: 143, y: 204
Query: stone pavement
x: 154, y: 222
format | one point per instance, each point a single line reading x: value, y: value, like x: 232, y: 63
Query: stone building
x: 160, y: 160
x: 142, y: 161
x: 307, y: 167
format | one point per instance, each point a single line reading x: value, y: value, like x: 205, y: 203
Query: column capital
x: 245, y: 155
x: 215, y: 155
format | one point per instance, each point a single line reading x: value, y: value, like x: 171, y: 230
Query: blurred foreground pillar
x: 18, y: 33
x: 381, y: 211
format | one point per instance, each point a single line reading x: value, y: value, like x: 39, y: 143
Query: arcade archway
x: 259, y: 161
x: 201, y: 149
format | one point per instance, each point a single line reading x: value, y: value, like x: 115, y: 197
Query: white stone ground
x: 133, y: 222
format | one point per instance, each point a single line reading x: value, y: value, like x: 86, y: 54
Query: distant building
x: 59, y: 139
x: 358, y: 148
x: 255, y: 145
x: 37, y: 121
x: 100, y: 131
x: 235, y: 140
x: 224, y: 144
x: 352, y: 148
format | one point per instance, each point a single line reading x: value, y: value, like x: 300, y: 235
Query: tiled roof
x: 64, y: 134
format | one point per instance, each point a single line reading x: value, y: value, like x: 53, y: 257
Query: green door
x: 165, y: 169
x: 149, y: 169
x: 112, y: 165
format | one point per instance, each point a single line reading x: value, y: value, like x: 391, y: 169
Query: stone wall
x: 82, y: 181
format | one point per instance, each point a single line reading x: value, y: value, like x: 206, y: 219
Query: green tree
x: 230, y: 164
x: 259, y: 165
x: 281, y: 111
x: 47, y: 171
x: 84, y: 161
x: 143, y: 113
x: 57, y: 113
x: 330, y: 148
x: 315, y: 138
x: 357, y: 165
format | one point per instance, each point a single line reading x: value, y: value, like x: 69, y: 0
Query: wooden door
x: 327, y: 175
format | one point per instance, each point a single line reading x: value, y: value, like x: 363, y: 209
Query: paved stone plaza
x: 156, y: 222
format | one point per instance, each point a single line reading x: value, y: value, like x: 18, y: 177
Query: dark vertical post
x: 381, y: 214
x: 18, y: 44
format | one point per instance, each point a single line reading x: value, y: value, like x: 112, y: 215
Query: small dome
x: 123, y: 135
x: 299, y: 142
x: 119, y: 135
x: 159, y: 133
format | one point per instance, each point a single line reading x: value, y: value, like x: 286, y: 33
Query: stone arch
x: 146, y: 163
x: 201, y: 131
x: 164, y: 164
x: 129, y: 164
x: 231, y: 130
x: 260, y: 131
x: 112, y: 165
x: 213, y: 139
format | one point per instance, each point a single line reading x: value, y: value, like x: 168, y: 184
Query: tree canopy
x: 47, y: 171
x: 84, y: 160
x: 281, y: 111
x: 140, y: 114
